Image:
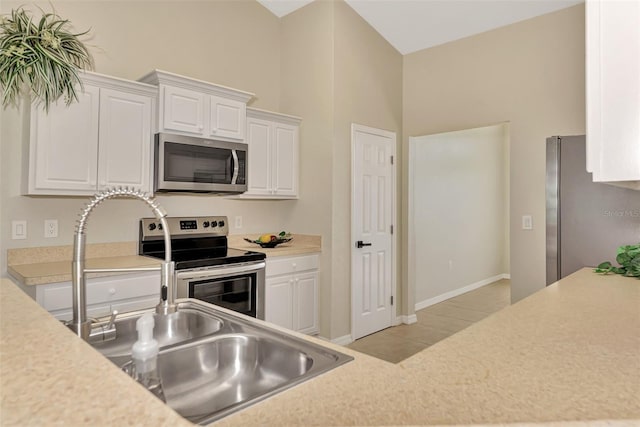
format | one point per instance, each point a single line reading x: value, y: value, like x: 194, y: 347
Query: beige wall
x: 236, y: 44
x: 322, y: 63
x: 336, y: 71
x: 368, y: 91
x: 307, y: 89
x: 530, y: 74
x: 459, y: 230
x: 325, y: 64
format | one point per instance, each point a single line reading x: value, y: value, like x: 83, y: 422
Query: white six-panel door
x: 372, y: 215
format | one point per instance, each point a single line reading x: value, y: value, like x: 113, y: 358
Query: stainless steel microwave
x: 187, y: 163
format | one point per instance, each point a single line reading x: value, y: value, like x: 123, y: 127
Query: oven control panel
x: 151, y: 228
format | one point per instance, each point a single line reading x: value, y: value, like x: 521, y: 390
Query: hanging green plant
x: 42, y: 58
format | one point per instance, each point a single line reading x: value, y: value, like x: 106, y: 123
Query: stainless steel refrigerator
x: 586, y: 221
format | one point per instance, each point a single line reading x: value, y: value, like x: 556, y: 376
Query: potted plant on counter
x: 42, y: 58
x: 628, y: 257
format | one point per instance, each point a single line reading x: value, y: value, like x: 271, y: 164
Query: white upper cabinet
x: 273, y: 155
x: 125, y: 123
x: 194, y: 107
x: 613, y: 91
x: 227, y: 118
x: 183, y: 110
x: 63, y: 148
x: 102, y: 140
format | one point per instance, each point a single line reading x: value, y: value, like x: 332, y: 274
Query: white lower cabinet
x: 124, y: 293
x: 291, y: 293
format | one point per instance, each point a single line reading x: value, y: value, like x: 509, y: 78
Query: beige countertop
x: 568, y: 352
x: 300, y: 245
x: 42, y: 273
x: 52, y: 264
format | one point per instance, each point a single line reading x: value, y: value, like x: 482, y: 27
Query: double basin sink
x: 213, y: 363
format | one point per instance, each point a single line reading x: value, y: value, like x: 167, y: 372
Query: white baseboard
x: 454, y: 293
x: 407, y: 320
x: 343, y: 340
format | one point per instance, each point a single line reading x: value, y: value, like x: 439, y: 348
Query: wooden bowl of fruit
x: 271, y: 240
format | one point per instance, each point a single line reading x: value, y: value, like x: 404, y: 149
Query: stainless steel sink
x: 174, y: 328
x: 220, y: 362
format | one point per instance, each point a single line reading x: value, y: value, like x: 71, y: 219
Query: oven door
x: 185, y: 163
x: 237, y: 287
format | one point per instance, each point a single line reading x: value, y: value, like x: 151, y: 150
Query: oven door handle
x: 236, y: 167
x: 219, y: 271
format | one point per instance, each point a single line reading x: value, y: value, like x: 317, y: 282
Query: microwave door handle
x: 236, y: 166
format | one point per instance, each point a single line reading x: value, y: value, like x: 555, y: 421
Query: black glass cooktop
x: 198, y: 253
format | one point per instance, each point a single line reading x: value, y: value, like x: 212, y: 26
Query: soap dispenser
x: 145, y: 357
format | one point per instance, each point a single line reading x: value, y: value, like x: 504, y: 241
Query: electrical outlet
x: 50, y: 228
x: 18, y: 230
x: 238, y: 221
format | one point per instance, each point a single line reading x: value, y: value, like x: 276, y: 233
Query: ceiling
x: 412, y: 25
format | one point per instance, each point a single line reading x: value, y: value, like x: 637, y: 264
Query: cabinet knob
x: 112, y: 291
x: 294, y: 265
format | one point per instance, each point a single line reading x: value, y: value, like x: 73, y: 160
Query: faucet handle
x: 112, y: 320
x: 102, y: 332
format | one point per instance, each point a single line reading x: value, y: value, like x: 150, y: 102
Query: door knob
x: 361, y: 244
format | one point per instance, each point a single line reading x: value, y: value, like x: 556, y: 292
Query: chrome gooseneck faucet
x: 80, y: 324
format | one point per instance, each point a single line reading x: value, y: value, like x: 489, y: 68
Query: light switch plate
x: 527, y: 222
x: 18, y: 230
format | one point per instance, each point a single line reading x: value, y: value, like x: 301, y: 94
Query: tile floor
x: 435, y: 323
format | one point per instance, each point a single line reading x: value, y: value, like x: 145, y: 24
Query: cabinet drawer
x: 58, y: 296
x: 122, y: 287
x: 54, y: 297
x: 288, y: 265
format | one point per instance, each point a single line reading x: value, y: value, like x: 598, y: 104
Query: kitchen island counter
x: 568, y: 352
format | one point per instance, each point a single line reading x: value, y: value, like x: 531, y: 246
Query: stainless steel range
x: 206, y: 268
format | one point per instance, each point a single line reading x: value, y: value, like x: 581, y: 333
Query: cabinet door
x: 279, y: 301
x: 227, y: 118
x: 183, y: 110
x: 122, y: 292
x: 613, y: 90
x: 259, y: 167
x: 125, y: 140
x: 306, y: 303
x: 64, y: 146
x: 285, y: 160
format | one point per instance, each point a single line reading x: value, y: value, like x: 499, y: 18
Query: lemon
x: 265, y: 238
